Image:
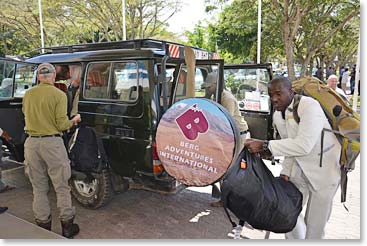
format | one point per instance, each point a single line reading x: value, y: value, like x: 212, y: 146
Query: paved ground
x: 138, y: 214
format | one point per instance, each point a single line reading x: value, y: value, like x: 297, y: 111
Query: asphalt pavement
x: 140, y: 214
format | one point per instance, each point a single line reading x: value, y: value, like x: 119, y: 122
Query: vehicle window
x: 169, y: 79
x: 6, y: 79
x: 201, y: 74
x: 115, y: 81
x: 23, y: 79
x: 24, y: 74
x: 97, y: 81
x: 125, y: 81
x: 250, y: 87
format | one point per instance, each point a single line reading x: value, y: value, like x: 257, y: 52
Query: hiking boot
x: 69, y: 229
x: 7, y: 188
x: 45, y: 225
x: 3, y: 209
x: 217, y: 204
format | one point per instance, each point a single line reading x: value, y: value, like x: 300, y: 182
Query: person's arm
x: 229, y: 105
x: 62, y: 121
x: 287, y: 166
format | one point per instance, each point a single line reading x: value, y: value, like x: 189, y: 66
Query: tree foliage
x: 317, y: 41
x: 297, y: 31
x: 81, y: 21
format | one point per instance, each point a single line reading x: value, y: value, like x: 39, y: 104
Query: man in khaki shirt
x: 44, y: 108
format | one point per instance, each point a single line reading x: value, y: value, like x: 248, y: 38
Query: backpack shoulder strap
x: 297, y: 99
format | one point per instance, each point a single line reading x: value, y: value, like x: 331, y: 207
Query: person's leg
x: 352, y: 86
x: 54, y: 154
x: 59, y: 170
x: 318, y: 211
x: 37, y: 173
x: 300, y: 181
x: 2, y: 185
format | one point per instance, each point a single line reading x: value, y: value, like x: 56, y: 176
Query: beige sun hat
x: 46, y: 68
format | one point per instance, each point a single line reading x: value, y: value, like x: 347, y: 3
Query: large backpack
x: 86, y: 151
x: 254, y: 195
x: 344, y: 121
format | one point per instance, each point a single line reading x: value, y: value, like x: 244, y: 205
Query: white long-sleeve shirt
x: 300, y: 144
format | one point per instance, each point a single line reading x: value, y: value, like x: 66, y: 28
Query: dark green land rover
x: 125, y: 88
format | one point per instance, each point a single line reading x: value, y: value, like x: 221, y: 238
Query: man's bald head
x: 282, y: 81
x: 281, y: 93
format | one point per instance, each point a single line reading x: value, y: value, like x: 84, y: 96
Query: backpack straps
x: 296, y: 100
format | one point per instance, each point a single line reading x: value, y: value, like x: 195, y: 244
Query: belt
x: 46, y: 136
x: 243, y: 132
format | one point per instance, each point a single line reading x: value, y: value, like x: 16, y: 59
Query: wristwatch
x: 265, y: 145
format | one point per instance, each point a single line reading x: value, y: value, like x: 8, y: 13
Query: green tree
x: 80, y: 21
x: 236, y: 31
x: 317, y: 41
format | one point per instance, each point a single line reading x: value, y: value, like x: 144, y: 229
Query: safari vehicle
x: 125, y: 88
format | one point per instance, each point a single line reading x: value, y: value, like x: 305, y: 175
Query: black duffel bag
x: 86, y: 150
x: 254, y: 195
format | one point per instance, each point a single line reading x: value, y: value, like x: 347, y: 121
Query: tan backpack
x: 344, y: 121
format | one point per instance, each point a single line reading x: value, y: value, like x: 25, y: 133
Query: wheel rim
x: 86, y: 189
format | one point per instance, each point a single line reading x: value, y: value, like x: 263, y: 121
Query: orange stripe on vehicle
x: 174, y: 51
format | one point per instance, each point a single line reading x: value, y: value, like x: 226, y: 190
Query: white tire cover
x: 196, y: 141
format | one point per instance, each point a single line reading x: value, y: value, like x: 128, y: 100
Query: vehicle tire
x: 93, y: 194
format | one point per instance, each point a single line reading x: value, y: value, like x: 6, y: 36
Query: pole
x: 258, y: 41
x: 258, y: 31
x: 355, y: 94
x: 123, y: 20
x: 41, y: 25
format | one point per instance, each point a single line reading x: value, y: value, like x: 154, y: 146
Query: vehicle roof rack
x: 171, y: 49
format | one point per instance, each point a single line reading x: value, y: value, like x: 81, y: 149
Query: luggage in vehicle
x: 85, y: 150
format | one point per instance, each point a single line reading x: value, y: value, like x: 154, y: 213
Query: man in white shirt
x: 344, y: 81
x: 332, y: 82
x: 300, y: 144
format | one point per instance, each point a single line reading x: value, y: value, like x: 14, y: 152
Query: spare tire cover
x: 196, y: 141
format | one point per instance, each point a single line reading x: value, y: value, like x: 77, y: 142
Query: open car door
x: 183, y: 88
x: 16, y: 78
x: 249, y: 84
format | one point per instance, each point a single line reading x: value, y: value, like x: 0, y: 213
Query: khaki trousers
x: 46, y: 158
x: 318, y: 210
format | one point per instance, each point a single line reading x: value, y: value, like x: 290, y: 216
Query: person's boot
x: 69, y: 229
x: 45, y: 225
x: 218, y: 203
x: 3, y: 209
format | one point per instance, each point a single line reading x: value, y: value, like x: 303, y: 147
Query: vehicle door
x: 15, y: 79
x: 202, y: 69
x: 249, y: 84
x: 114, y: 101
